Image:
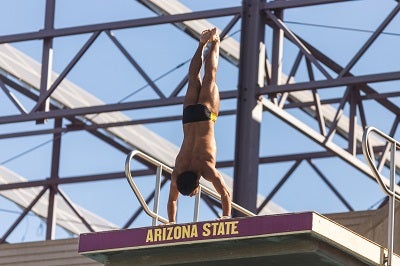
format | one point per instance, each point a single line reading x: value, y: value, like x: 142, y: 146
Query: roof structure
x: 292, y: 98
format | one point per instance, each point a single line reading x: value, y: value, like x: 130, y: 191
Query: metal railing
x: 388, y: 189
x: 160, y: 168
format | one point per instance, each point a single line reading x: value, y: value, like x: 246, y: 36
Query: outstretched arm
x: 225, y: 196
x: 172, y: 200
x: 218, y: 182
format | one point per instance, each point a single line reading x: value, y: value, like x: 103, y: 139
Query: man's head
x: 187, y: 183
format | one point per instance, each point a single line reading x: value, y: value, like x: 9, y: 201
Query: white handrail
x: 366, y: 147
x: 387, y: 189
x: 160, y: 168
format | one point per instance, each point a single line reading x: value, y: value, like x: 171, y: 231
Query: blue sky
x: 106, y: 74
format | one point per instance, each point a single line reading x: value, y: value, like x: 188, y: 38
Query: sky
x: 339, y: 30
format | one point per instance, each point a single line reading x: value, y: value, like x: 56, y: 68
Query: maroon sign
x: 202, y: 231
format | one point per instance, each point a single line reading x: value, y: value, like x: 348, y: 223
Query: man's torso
x: 198, y: 149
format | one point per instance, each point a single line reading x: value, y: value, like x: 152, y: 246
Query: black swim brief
x: 196, y: 113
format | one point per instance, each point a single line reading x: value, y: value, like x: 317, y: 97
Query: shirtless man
x: 197, y: 156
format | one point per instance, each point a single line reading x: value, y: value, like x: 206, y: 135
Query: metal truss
x: 262, y: 87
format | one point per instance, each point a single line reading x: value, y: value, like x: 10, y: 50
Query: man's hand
x: 223, y: 217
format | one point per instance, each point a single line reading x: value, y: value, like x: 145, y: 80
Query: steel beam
x: 324, y: 84
x: 44, y: 98
x: 279, y: 185
x: 277, y: 53
x: 75, y: 179
x: 321, y: 140
x: 298, y: 3
x: 47, y: 59
x: 249, y: 111
x: 12, y: 98
x: 370, y: 41
x: 292, y: 37
x: 92, y: 127
x: 76, y: 211
x: 330, y: 185
x: 133, y: 23
x: 53, y: 189
x: 103, y: 108
x: 369, y: 91
x: 135, y: 64
x: 22, y: 216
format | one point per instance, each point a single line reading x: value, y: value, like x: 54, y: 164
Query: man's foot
x: 215, y: 38
x: 207, y: 35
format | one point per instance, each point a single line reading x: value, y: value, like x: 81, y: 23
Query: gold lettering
x: 169, y: 236
x: 214, y: 231
x: 221, y: 229
x: 234, y: 230
x: 194, y: 231
x: 149, y: 237
x: 177, y: 232
x: 186, y: 231
x: 164, y: 233
x: 206, y: 229
x: 157, y: 234
x: 191, y: 231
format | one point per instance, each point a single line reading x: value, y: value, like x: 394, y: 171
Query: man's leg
x: 209, y: 94
x: 194, y: 86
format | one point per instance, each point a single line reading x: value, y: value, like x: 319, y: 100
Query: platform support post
x: 249, y: 109
x: 47, y: 58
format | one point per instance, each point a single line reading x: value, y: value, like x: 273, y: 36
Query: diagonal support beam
x: 330, y: 185
x: 75, y: 210
x: 12, y: 98
x: 135, y: 64
x: 320, y: 139
x: 370, y: 41
x: 62, y: 76
x: 292, y: 37
x: 279, y: 185
x: 23, y: 214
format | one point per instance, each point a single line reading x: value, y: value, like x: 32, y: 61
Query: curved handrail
x: 390, y: 189
x: 367, y: 154
x: 136, y: 189
x: 163, y: 167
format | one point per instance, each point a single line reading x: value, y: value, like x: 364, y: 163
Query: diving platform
x: 306, y: 238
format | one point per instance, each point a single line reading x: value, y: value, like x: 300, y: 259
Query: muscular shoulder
x: 209, y: 172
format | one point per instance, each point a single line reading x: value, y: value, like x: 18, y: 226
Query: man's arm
x: 218, y: 182
x: 172, y: 200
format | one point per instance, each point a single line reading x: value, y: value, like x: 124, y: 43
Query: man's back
x: 198, y: 148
